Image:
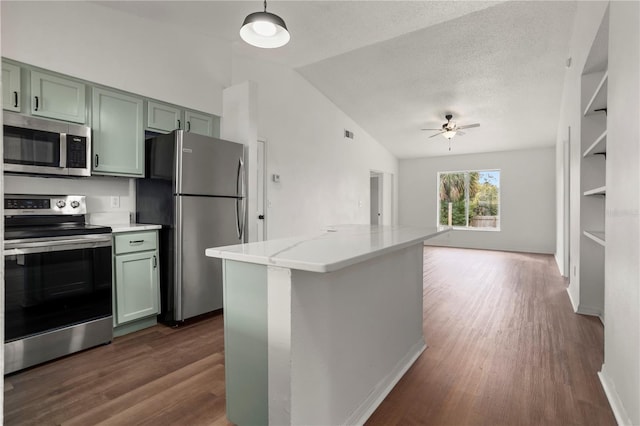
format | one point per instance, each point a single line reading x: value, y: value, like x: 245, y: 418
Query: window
x: 469, y: 199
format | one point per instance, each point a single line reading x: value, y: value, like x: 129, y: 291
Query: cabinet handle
x: 188, y: 126
x: 37, y: 103
x: 97, y: 160
x: 155, y: 262
x: 135, y: 242
x: 179, y: 124
x: 15, y: 98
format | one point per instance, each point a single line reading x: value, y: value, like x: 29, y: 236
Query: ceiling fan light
x: 449, y: 134
x: 265, y: 30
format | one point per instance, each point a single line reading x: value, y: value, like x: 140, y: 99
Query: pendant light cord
x: 265, y: 5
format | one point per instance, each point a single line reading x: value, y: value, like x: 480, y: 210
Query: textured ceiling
x: 398, y: 66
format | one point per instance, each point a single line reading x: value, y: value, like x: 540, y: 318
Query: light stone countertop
x: 119, y: 222
x: 130, y: 227
x: 331, y: 249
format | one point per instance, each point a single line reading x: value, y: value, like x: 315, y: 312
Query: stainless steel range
x: 58, y: 270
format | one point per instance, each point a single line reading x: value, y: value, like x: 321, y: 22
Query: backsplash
x: 104, y: 194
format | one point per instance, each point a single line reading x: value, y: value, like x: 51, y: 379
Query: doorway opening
x: 376, y: 197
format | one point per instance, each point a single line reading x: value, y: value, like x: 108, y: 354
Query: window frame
x: 467, y: 203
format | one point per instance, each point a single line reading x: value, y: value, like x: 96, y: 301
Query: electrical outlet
x: 115, y: 202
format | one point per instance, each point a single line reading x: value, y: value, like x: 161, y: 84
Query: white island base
x: 318, y: 330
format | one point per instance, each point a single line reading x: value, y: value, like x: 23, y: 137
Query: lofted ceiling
x: 398, y: 66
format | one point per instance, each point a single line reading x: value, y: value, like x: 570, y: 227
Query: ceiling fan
x: 450, y: 129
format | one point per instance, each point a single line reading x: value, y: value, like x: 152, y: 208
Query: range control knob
x: 75, y: 204
x: 60, y: 204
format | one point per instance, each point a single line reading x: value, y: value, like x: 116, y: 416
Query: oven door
x: 56, y: 283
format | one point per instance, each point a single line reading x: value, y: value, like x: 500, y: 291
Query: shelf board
x: 596, y: 236
x: 597, y: 147
x: 597, y: 191
x: 599, y: 98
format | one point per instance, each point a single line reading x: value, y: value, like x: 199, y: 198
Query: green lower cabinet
x: 118, y: 135
x: 136, y: 284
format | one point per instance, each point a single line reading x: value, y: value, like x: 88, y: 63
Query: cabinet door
x: 118, y: 136
x: 136, y: 286
x: 162, y: 117
x: 202, y: 124
x: 10, y: 87
x: 56, y: 97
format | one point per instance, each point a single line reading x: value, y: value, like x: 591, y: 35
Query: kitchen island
x: 319, y: 329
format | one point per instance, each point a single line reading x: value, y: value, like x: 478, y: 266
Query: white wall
x: 105, y: 46
x: 324, y: 177
x: 527, y: 192
x: 620, y: 373
x: 621, y: 369
x: 115, y: 49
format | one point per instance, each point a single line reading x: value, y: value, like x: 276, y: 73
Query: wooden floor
x: 504, y: 348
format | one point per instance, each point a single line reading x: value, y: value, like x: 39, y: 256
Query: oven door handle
x: 15, y: 247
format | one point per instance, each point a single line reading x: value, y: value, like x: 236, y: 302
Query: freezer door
x: 209, y: 166
x: 203, y: 222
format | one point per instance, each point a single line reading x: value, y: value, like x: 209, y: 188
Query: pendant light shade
x: 264, y: 29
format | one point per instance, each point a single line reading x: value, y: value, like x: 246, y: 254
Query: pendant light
x: 264, y: 29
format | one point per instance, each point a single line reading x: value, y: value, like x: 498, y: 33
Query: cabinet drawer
x: 129, y: 242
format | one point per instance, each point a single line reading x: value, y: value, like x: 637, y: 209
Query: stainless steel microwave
x: 39, y: 146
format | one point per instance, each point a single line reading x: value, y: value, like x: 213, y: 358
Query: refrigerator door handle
x: 238, y: 230
x: 239, y: 192
x: 177, y: 277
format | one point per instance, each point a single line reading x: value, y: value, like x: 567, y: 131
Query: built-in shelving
x: 598, y: 101
x: 602, y: 190
x: 593, y: 175
x: 599, y: 146
x: 596, y: 236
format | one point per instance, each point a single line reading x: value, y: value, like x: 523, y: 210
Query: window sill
x: 468, y: 228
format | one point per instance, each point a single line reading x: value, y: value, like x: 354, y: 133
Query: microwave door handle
x: 63, y: 151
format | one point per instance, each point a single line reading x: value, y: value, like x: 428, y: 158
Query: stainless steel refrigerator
x: 194, y: 187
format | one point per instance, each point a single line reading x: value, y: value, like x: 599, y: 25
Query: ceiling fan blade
x: 436, y: 134
x: 468, y: 126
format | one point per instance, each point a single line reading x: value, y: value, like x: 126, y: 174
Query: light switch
x: 276, y: 178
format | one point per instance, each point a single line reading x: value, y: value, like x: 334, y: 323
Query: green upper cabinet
x: 118, y: 135
x: 10, y: 87
x: 57, y: 97
x: 202, y: 124
x: 163, y: 117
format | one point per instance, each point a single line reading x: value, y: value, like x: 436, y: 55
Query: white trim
x: 589, y: 310
x: 614, y: 399
x: 360, y: 415
x: 574, y: 304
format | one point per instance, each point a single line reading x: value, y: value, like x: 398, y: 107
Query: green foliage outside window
x: 474, y: 197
